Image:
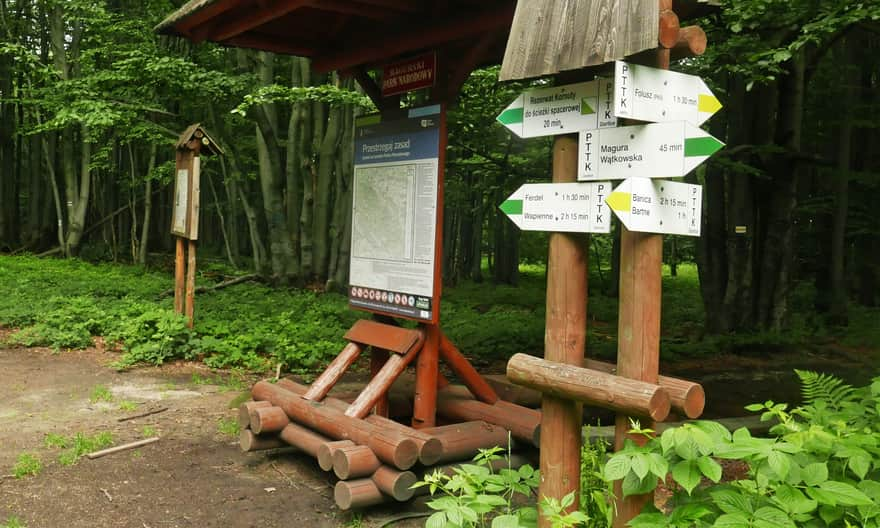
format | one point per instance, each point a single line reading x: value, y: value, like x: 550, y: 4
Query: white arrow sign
x: 651, y: 94
x: 560, y: 109
x: 561, y: 207
x: 657, y: 206
x: 656, y: 150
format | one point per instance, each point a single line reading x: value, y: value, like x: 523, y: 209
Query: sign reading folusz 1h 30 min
x: 656, y: 150
x: 659, y: 96
x: 560, y: 109
x: 560, y: 207
x: 657, y: 206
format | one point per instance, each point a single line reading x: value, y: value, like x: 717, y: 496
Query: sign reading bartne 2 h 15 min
x: 657, y: 206
x: 560, y: 109
x: 656, y: 150
x: 560, y: 207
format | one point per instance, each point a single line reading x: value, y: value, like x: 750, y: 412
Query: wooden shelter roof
x: 342, y: 34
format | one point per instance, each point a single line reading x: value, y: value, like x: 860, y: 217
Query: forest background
x: 92, y: 101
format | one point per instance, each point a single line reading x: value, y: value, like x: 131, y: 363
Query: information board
x: 395, y: 206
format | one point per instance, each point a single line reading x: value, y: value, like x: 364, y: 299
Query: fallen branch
x: 218, y: 286
x: 143, y: 414
x: 106, y: 494
x: 123, y: 447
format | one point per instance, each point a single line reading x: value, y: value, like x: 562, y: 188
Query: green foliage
x: 127, y: 406
x: 228, y: 426
x: 100, y: 393
x: 13, y: 522
x: 329, y: 94
x: 475, y: 494
x: 148, y: 431
x: 821, y: 467
x: 596, y: 499
x: 27, y: 465
x: 74, y: 447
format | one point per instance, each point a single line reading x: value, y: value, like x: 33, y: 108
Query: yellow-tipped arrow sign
x: 658, y: 96
x: 658, y: 206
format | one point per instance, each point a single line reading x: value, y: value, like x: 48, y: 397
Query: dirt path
x: 194, y: 476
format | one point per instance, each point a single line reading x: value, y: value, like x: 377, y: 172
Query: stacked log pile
x: 377, y: 459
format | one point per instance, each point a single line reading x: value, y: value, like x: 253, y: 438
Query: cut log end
x: 430, y: 452
x: 244, y: 411
x: 326, y: 451
x: 659, y: 405
x: 407, y: 454
x: 360, y: 493
x: 694, y: 401
x: 397, y: 484
x: 669, y: 28
x: 248, y: 441
x: 354, y: 462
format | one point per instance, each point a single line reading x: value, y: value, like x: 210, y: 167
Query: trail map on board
x: 394, y: 214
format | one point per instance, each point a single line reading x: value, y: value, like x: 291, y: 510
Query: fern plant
x: 816, y: 386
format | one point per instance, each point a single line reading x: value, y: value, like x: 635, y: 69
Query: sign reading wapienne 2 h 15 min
x: 397, y: 174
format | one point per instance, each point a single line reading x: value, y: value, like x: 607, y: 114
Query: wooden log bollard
x: 429, y: 447
x: 569, y: 382
x: 269, y: 419
x: 354, y: 461
x: 358, y: 493
x: 248, y: 441
x: 464, y: 440
x: 390, y: 446
x: 691, y: 43
x: 394, y: 483
x: 244, y: 412
x: 685, y: 397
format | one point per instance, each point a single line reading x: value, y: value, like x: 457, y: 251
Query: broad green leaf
x: 443, y: 503
x: 567, y: 500
x: 845, y: 494
x: 687, y: 474
x: 632, y: 485
x: 436, y: 520
x: 793, y: 500
x: 715, y: 430
x: 709, y: 468
x: 871, y: 488
x: 667, y: 440
x: 505, y: 521
x: 860, y: 464
x: 780, y: 463
x: 658, y: 465
x: 648, y: 520
x: 815, y: 473
x: 829, y: 514
x: 732, y: 501
x: 686, y: 514
x: 641, y: 464
x: 617, y: 467
x: 769, y: 517
x: 732, y: 520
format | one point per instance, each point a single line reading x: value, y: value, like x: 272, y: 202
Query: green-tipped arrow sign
x: 560, y: 109
x: 560, y: 207
x: 657, y: 150
x: 658, y: 206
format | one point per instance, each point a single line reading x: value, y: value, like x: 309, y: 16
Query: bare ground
x: 194, y: 476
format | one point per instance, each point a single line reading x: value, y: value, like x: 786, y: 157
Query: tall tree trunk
x: 839, y: 291
x: 298, y: 129
x: 148, y: 207
x: 779, y: 203
x: 321, y: 236
x: 269, y: 154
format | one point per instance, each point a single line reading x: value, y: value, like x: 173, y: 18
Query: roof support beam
x: 354, y: 8
x: 257, y: 18
x: 265, y: 43
x: 365, y: 51
x: 408, y: 6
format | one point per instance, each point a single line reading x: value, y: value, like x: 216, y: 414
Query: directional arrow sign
x: 562, y: 207
x: 657, y: 206
x: 651, y: 94
x: 560, y: 109
x: 657, y: 150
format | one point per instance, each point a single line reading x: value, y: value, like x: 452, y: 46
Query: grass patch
x: 127, y: 406
x: 228, y: 426
x: 100, y: 393
x: 27, y: 465
x: 148, y: 431
x: 74, y: 447
x: 13, y: 522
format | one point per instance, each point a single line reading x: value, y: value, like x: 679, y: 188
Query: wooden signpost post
x: 185, y: 214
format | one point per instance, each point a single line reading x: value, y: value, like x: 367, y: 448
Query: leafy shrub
x: 821, y: 467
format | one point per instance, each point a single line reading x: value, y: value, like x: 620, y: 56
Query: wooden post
x: 638, y: 329
x: 564, y: 342
x: 427, y: 370
x: 179, y: 274
x: 190, y: 282
x: 321, y: 386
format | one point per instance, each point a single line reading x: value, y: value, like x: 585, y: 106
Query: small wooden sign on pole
x: 185, y: 213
